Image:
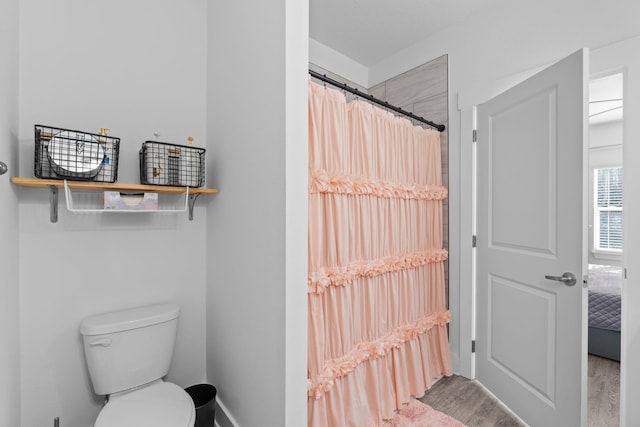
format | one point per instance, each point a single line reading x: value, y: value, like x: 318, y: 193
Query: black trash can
x: 204, y: 399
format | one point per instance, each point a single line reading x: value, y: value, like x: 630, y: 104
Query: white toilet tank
x: 129, y: 348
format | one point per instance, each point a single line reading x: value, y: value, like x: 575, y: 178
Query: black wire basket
x: 162, y: 163
x: 77, y: 155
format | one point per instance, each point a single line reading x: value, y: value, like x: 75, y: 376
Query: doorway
x: 613, y: 58
x: 605, y: 243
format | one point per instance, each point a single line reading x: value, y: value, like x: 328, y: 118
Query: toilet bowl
x: 161, y: 404
x: 128, y: 354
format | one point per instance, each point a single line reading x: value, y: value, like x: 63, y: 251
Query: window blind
x: 608, y: 208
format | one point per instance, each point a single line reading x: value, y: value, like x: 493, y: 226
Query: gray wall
x: 138, y: 68
x: 257, y: 224
x: 338, y: 78
x: 9, y: 275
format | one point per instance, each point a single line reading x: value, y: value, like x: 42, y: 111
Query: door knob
x: 568, y: 279
x: 3, y: 168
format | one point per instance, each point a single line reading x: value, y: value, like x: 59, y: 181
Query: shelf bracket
x: 53, y: 200
x: 192, y: 202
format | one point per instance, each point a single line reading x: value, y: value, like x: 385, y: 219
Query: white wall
x: 605, y: 134
x: 488, y: 49
x: 136, y: 67
x: 257, y: 225
x: 297, y: 225
x: 9, y: 275
x: 335, y: 61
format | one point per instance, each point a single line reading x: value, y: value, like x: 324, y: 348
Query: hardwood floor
x: 604, y: 392
x: 468, y: 401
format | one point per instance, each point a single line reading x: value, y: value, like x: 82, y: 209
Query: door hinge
x: 474, y: 241
x: 475, y: 135
x: 473, y: 346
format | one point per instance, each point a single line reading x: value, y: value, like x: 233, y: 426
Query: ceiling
x: 605, y: 99
x: 369, y: 31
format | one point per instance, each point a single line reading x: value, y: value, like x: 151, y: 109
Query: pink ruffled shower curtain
x: 377, y: 309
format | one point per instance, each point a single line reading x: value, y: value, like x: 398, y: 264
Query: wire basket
x: 71, y: 154
x: 170, y: 164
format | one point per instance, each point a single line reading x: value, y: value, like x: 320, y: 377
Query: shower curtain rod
x: 368, y: 97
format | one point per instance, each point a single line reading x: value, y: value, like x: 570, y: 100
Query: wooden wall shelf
x: 54, y: 185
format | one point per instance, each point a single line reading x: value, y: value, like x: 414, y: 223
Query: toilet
x: 128, y: 353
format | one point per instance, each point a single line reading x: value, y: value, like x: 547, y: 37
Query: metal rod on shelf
x: 192, y: 202
x: 375, y: 100
x: 53, y: 201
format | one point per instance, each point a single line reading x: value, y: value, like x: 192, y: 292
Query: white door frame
x: 467, y: 200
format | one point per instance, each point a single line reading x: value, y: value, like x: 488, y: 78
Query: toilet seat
x: 161, y: 404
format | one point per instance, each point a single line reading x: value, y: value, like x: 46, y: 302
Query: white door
x: 531, y: 331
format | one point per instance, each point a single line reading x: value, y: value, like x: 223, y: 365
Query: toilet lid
x: 159, y: 405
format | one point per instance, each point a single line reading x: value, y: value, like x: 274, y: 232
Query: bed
x: 604, y: 310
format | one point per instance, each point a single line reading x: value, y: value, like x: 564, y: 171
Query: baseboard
x: 455, y: 362
x: 226, y: 414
